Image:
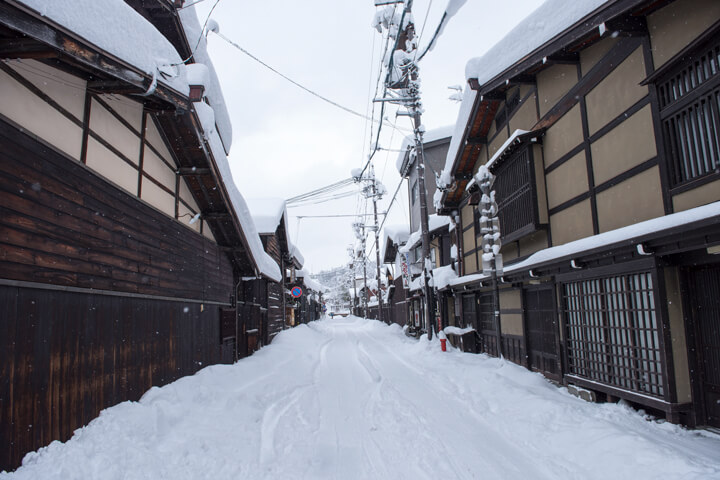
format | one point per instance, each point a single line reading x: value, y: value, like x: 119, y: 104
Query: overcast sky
x: 287, y: 142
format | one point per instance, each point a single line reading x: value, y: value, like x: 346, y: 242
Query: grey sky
x: 287, y: 142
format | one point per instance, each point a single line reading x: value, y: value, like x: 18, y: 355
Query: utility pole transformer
x: 403, y: 76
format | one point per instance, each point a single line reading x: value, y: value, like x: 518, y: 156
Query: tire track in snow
x: 406, y: 385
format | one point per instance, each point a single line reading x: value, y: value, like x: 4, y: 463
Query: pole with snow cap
x: 403, y: 77
x: 376, y: 194
x: 492, y: 262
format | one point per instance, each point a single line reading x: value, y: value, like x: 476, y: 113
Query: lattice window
x: 515, y: 194
x: 689, y: 99
x: 612, y: 332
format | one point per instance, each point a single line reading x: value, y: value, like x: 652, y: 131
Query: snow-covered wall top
x: 107, y: 23
x: 267, y: 213
x: 546, y: 22
x: 264, y: 262
x: 213, y: 92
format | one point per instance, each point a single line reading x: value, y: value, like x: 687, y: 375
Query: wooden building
x: 604, y: 140
x: 122, y: 236
x: 398, y: 283
x: 271, y: 298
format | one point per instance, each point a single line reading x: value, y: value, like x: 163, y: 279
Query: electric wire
x: 311, y: 92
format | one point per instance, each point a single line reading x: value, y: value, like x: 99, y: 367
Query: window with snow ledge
x: 515, y: 193
x: 688, y: 90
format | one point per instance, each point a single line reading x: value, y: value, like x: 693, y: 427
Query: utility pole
x: 359, y: 228
x: 375, y: 196
x: 409, y: 87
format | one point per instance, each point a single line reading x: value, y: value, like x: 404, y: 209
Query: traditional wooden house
x: 122, y: 235
x: 435, y: 147
x: 308, y: 306
x: 270, y: 217
x: 602, y: 129
x: 399, y: 279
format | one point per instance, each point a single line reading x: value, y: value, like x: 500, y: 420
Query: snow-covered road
x: 351, y: 398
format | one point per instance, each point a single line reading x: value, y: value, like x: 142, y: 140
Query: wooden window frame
x: 688, y: 97
x: 521, y: 202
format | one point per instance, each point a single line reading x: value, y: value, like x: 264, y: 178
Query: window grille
x: 515, y: 194
x: 613, y: 334
x: 689, y: 100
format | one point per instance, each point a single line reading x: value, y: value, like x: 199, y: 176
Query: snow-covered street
x: 351, y: 398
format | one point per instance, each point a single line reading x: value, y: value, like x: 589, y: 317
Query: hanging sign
x: 405, y: 272
x: 296, y: 292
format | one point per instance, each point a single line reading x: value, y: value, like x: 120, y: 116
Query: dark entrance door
x: 541, y: 327
x: 704, y: 286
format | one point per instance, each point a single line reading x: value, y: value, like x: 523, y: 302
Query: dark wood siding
x: 82, y: 264
x: 65, y: 356
x: 276, y: 310
x: 62, y: 224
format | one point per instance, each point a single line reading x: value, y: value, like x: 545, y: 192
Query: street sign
x: 296, y: 292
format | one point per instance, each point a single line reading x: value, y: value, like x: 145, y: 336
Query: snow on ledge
x: 106, y: 24
x: 629, y: 234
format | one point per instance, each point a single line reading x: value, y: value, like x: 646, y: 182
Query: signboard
x: 405, y: 272
x: 296, y: 292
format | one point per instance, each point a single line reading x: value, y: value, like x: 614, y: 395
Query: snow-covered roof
x: 630, y: 234
x: 398, y: 234
x: 213, y: 92
x: 264, y: 263
x: 435, y: 222
x: 106, y: 24
x: 542, y: 25
x: 295, y: 253
x: 463, y: 118
x: 310, y: 283
x: 428, y: 137
x: 267, y: 213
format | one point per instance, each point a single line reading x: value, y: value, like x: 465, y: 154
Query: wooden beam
x: 193, y: 171
x: 25, y: 48
x: 73, y: 50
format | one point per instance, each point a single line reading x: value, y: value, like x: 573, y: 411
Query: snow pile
x: 309, y: 282
x: 295, y: 253
x: 106, y: 23
x: 457, y: 331
x: 442, y: 276
x: 355, y: 399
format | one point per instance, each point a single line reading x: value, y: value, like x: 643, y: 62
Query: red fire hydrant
x: 443, y: 340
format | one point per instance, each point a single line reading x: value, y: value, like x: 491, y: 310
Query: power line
x: 325, y: 99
